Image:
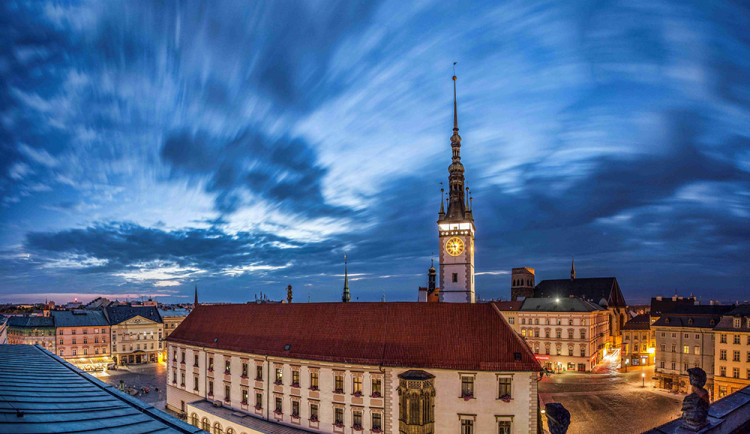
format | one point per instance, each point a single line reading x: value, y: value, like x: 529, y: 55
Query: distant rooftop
x: 31, y: 321
x: 561, y: 304
x: 42, y: 393
x: 173, y: 312
x: 79, y: 318
x: 639, y: 322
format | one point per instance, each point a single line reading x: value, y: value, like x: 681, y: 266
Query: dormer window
x: 737, y: 323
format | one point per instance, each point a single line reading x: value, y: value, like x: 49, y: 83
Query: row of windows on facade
x: 85, y: 340
x: 138, y: 347
x: 519, y: 282
x: 736, y: 339
x: 735, y: 372
x: 136, y: 336
x: 558, y: 321
x: 643, y: 348
x: 376, y: 420
x: 558, y: 349
x: 467, y: 426
x: 504, y: 387
x: 375, y: 389
x: 635, y: 337
x: 737, y: 323
x: 84, y: 331
x: 735, y: 355
x: 74, y: 351
x: 558, y: 333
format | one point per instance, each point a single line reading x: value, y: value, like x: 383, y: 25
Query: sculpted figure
x: 695, y: 406
x: 558, y: 418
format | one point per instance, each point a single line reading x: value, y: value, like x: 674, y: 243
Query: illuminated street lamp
x: 643, y: 377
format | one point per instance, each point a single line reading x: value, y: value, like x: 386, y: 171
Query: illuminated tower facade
x: 456, y: 229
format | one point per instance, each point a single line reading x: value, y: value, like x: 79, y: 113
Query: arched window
x: 194, y: 420
x: 230, y: 431
x: 217, y: 428
x: 205, y: 425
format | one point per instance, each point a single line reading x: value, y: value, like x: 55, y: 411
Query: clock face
x: 454, y: 246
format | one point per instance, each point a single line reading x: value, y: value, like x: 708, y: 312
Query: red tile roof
x: 415, y: 335
x: 508, y: 305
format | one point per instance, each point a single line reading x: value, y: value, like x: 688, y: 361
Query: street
x: 608, y: 401
x: 152, y: 375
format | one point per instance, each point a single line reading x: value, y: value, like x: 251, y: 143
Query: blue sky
x: 149, y: 146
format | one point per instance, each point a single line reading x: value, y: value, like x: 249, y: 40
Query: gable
x: 138, y: 320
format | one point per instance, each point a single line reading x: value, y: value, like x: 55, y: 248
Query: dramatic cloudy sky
x: 149, y: 146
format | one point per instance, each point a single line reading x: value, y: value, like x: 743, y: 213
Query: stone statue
x: 558, y: 418
x: 695, y: 406
x: 289, y: 294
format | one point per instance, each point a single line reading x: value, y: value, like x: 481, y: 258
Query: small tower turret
x: 346, y: 297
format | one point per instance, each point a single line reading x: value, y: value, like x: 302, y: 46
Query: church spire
x: 195, y: 304
x: 573, y: 269
x: 457, y: 202
x: 346, y: 297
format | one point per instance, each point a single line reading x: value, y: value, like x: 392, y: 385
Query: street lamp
x: 643, y: 377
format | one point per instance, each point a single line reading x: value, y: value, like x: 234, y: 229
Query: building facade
x: 83, y: 338
x: 137, y: 334
x: 353, y: 367
x: 685, y: 339
x: 565, y: 334
x: 732, y: 352
x: 638, y: 342
x: 32, y: 330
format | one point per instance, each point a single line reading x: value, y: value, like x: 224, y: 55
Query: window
x: 182, y: 379
x: 314, y: 380
x: 583, y: 351
x: 723, y: 339
x: 696, y: 350
x: 504, y: 387
x: 338, y: 414
x: 722, y: 371
x: 558, y: 332
x: 339, y: 383
x: 570, y: 334
x: 663, y: 348
x: 570, y: 321
x: 455, y: 277
x: 258, y: 401
x: 194, y: 420
x: 697, y: 336
x: 674, y: 348
x: 295, y: 378
x: 661, y: 365
x: 377, y: 421
x: 635, y: 347
x: 503, y: 427
x: 357, y: 419
x: 245, y: 396
x: 217, y: 428
x: 210, y: 388
x: 723, y: 355
x: 279, y: 375
x: 195, y: 382
x: 748, y: 356
x: 523, y: 332
x: 357, y: 385
x: 536, y: 321
x: 295, y: 408
x: 195, y: 360
x: 259, y: 373
x: 736, y: 339
x: 182, y: 356
x: 736, y: 372
x: 376, y: 385
x: 227, y: 393
x: 211, y: 363
x: 686, y: 336
x: 467, y: 385
x: 737, y: 322
x: 686, y: 349
x: 736, y: 356
x: 227, y: 367
x: 583, y: 333
x: 663, y: 334
x: 313, y: 412
x: 61, y: 352
x: 74, y: 341
x: 673, y: 366
x: 546, y: 333
x: 61, y: 341
x: 205, y: 426
x: 511, y: 320
x: 467, y: 426
x: 523, y: 321
x: 278, y: 408
x: 174, y: 377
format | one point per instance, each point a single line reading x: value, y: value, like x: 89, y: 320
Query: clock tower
x: 456, y: 229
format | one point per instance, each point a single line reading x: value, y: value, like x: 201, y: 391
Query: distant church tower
x: 456, y: 228
x: 345, y: 297
x: 522, y: 283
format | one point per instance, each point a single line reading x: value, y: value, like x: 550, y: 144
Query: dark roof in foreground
x: 124, y: 312
x: 639, y: 322
x: 42, y: 393
x: 418, y: 335
x: 31, y: 321
x: 562, y: 304
x: 730, y: 414
x: 79, y: 318
x: 592, y: 288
